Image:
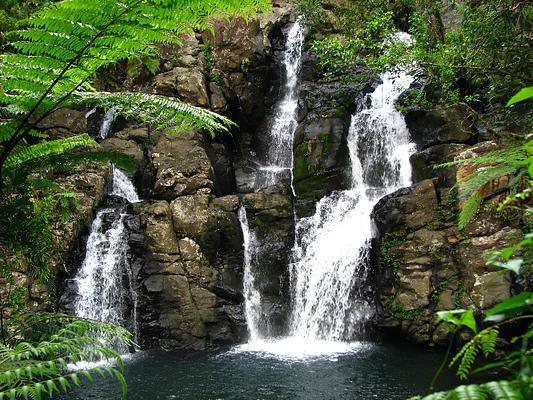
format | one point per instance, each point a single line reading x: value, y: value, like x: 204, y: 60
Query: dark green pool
x: 368, y: 371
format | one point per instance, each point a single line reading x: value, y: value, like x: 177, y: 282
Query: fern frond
x: 483, y: 176
x: 62, y: 47
x: 36, y: 368
x: 163, y: 111
x: 513, y: 151
x: 504, y: 390
x: 470, y: 392
x: 28, y: 153
x: 497, y: 390
x: 469, y: 209
x: 488, y: 338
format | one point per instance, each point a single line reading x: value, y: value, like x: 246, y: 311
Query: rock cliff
x: 424, y: 262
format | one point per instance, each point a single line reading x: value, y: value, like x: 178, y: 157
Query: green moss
x: 249, y: 203
x: 441, y: 288
x: 396, y: 310
x: 389, y: 258
x: 459, y: 294
x: 300, y: 168
x: 217, y: 77
x: 447, y: 211
x: 245, y: 65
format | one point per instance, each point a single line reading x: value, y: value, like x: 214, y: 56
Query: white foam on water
x: 298, y: 349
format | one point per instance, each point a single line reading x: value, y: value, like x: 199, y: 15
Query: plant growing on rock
x: 514, y: 161
x: 518, y: 360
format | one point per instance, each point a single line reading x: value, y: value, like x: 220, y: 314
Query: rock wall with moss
x: 424, y: 262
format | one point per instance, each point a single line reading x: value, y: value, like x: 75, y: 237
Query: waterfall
x: 107, y: 123
x: 279, y: 156
x: 330, y: 260
x: 104, y: 280
x: 252, y: 296
x: 277, y: 165
x: 123, y: 187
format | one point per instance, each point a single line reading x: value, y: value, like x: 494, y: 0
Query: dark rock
x: 424, y: 163
x: 408, y: 208
x: 442, y: 125
x: 182, y: 166
x: 64, y: 122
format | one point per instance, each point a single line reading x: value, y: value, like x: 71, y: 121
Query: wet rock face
x: 442, y: 125
x: 271, y: 219
x: 189, y: 284
x: 181, y: 166
x: 425, y: 263
x: 186, y: 300
x: 321, y: 158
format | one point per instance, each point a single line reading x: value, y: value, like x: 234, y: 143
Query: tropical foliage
x: 514, y: 161
x: 39, y: 354
x: 60, y: 49
x: 517, y: 363
x: 482, y: 57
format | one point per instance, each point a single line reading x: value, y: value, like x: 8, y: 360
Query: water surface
x: 364, y: 371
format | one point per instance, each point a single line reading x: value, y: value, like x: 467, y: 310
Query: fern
x: 469, y: 209
x: 488, y: 340
x: 64, y: 45
x: 26, y: 153
x: 514, y: 161
x: 497, y: 390
x: 484, y: 341
x: 162, y: 111
x: 467, y: 355
x: 41, y: 366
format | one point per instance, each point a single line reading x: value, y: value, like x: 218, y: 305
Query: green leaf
x: 524, y: 94
x: 466, y: 318
x: 512, y: 265
x: 470, y: 392
x: 510, y: 307
x: 504, y: 390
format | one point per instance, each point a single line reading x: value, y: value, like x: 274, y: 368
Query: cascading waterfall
x: 279, y: 156
x: 330, y: 268
x: 123, y: 187
x: 277, y: 165
x: 104, y: 279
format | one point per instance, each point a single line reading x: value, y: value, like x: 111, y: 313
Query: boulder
x: 182, y: 166
x: 451, y: 124
x: 127, y: 147
x: 407, y: 209
x: 64, y: 122
x: 188, y: 84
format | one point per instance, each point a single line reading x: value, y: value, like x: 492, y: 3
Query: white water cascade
x: 277, y: 166
x: 331, y: 297
x: 279, y: 156
x: 252, y: 296
x: 104, y: 279
x: 330, y: 269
